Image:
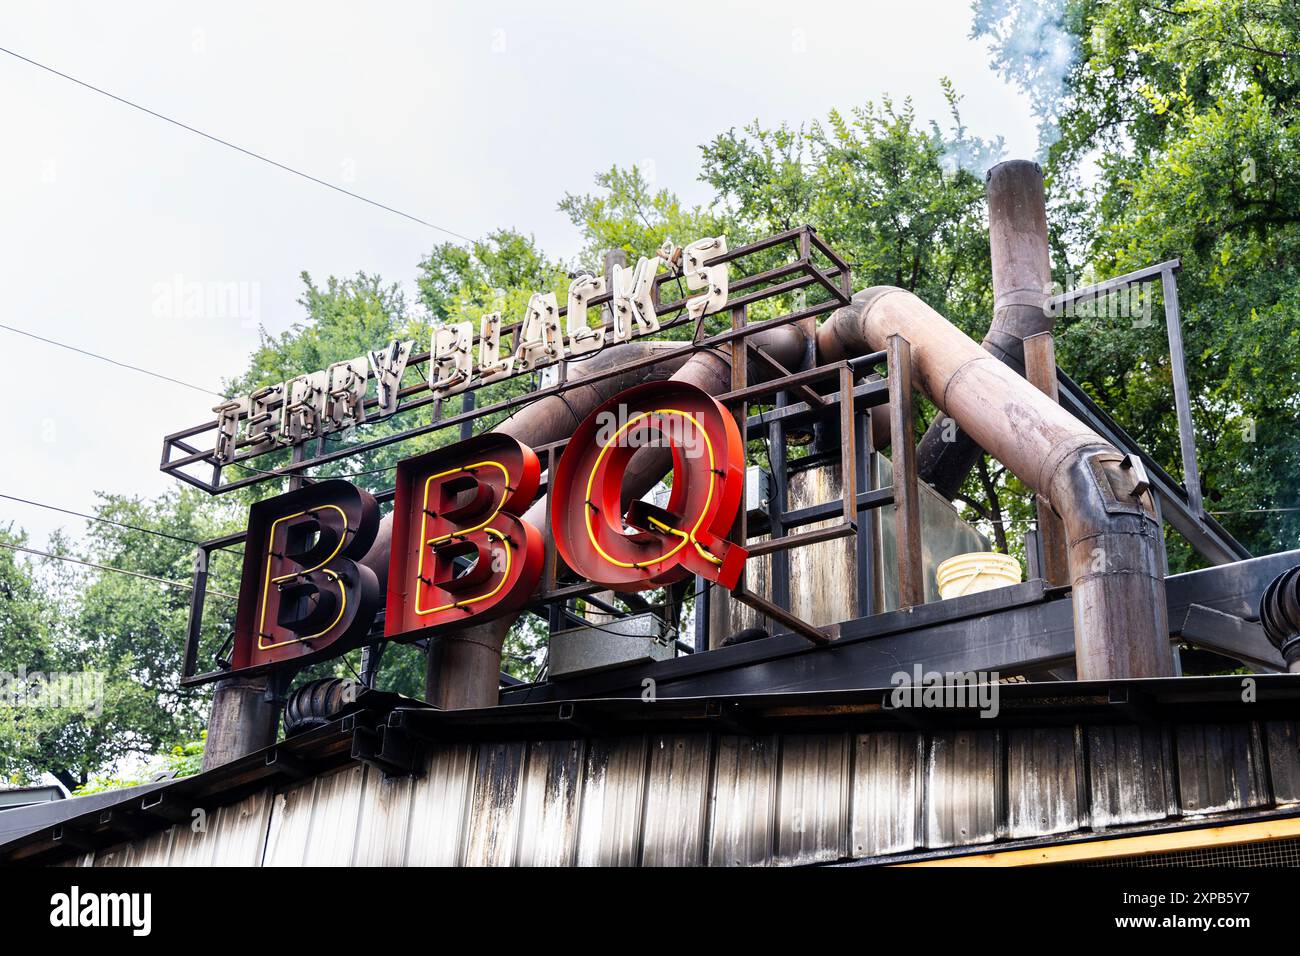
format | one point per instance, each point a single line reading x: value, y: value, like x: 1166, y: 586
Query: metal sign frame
x: 832, y: 393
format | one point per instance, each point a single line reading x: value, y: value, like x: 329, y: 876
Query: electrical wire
x: 105, y: 567
x: 105, y: 358
x: 230, y: 145
x: 119, y: 524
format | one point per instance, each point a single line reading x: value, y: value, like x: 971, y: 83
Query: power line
x: 119, y: 524
x: 105, y: 358
x: 105, y: 567
x: 240, y: 149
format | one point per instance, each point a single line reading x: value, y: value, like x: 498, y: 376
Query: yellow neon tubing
x: 482, y: 597
x: 685, y: 536
x: 424, y: 543
x: 266, y: 584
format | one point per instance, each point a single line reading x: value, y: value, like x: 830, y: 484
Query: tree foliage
x: 1178, y: 130
x: 1168, y: 129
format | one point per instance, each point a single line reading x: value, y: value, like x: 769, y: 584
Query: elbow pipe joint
x: 1120, y: 615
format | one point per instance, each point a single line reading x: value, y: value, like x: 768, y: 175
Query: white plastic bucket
x: 976, y: 571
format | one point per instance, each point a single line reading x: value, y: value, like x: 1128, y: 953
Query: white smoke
x: 1031, y: 47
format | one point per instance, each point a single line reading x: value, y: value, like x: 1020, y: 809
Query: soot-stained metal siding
x: 727, y: 799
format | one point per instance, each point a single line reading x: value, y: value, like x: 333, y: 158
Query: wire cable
x: 230, y: 145
x: 105, y: 567
x: 78, y: 514
x: 105, y: 358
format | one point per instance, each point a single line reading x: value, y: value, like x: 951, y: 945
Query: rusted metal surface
x: 727, y: 799
x: 743, y: 802
x: 245, y: 715
x: 821, y: 575
x: 1022, y: 279
x: 1109, y: 514
x: 907, y: 505
x: 1040, y: 369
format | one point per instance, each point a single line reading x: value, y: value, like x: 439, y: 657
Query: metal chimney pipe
x: 1109, y: 514
x: 1022, y: 278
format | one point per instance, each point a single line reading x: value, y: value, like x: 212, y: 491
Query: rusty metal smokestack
x: 1120, y: 626
x: 1022, y: 276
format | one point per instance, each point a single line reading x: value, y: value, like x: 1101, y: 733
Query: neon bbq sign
x: 465, y: 548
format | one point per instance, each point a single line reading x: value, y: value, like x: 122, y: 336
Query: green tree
x: 1178, y: 127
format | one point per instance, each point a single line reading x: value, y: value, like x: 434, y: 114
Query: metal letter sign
x: 461, y: 554
x: 303, y: 597
x: 649, y: 546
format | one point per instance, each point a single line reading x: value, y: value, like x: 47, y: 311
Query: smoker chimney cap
x: 988, y: 176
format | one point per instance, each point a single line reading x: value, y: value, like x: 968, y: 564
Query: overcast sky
x: 470, y: 115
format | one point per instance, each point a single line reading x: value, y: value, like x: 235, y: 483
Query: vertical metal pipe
x: 1120, y: 624
x: 1022, y: 279
x: 907, y: 505
x: 739, y: 379
x: 1040, y: 369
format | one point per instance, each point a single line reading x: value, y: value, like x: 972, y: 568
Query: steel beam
x: 1026, y: 627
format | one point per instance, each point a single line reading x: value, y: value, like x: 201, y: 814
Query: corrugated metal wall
x: 702, y: 799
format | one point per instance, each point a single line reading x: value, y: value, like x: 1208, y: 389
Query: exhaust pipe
x: 1101, y: 495
x: 1022, y: 275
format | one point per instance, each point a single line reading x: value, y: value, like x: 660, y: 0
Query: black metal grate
x: 1262, y: 853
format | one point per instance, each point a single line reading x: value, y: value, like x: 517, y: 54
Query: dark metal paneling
x: 813, y: 804
x: 552, y: 786
x: 1220, y: 767
x: 613, y: 795
x: 963, y: 776
x: 1042, y: 782
x: 743, y: 804
x: 887, y: 787
x: 1128, y: 775
x: 677, y: 799
x: 493, y: 827
x: 440, y: 806
x: 1283, y: 739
